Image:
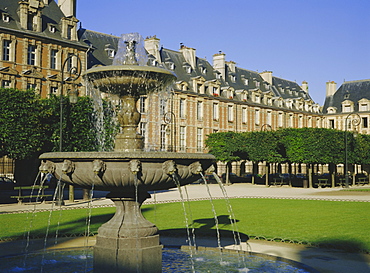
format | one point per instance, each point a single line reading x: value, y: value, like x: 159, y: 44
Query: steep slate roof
x: 99, y: 42
x: 352, y: 90
x: 99, y: 56
x: 51, y: 14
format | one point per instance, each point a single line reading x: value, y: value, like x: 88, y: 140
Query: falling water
x: 214, y: 211
x: 177, y: 182
x: 59, y: 195
x: 32, y: 218
x: 126, y: 55
x: 234, y: 226
x: 236, y: 234
x: 88, y: 224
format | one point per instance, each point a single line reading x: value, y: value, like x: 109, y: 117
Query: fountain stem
x: 129, y: 140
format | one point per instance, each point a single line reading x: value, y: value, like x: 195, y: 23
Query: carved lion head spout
x: 98, y: 166
x: 134, y: 166
x: 47, y: 167
x: 169, y: 167
x: 211, y: 169
x: 195, y: 167
x: 68, y: 167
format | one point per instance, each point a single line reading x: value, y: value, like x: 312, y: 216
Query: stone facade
x: 35, y: 40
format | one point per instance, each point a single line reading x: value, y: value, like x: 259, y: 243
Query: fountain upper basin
x: 129, y: 79
x: 117, y: 171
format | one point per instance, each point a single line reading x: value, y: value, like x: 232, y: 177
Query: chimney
x: 267, y: 76
x: 189, y: 55
x: 151, y: 45
x: 68, y: 7
x: 219, y: 63
x: 331, y: 88
x: 304, y: 86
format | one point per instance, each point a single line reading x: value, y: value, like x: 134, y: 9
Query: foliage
x: 225, y: 146
x: 30, y: 126
x: 262, y: 146
x: 313, y: 145
x: 22, y: 133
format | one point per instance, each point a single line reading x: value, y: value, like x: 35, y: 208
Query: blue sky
x: 312, y: 40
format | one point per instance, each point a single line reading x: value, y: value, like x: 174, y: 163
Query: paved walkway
x: 323, y: 260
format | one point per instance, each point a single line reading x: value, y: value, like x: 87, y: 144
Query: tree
x: 226, y: 147
x: 22, y: 134
x: 262, y: 146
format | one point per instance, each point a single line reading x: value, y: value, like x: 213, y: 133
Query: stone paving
x: 324, y: 260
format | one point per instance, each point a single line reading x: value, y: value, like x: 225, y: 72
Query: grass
x: 357, y: 189
x: 343, y: 224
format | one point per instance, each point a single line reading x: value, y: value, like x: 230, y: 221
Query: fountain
x: 127, y: 242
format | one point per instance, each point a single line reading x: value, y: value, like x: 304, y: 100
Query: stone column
x: 128, y: 242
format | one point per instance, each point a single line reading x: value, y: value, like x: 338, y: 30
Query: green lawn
x: 345, y: 224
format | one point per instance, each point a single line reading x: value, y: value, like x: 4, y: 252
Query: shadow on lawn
x: 340, y: 255
x: 205, y: 233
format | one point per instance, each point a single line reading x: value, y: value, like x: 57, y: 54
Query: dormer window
x: 110, y: 51
x: 152, y: 62
x: 347, y: 106
x: 171, y: 65
x: 257, y: 99
x: 5, y: 17
x: 52, y: 28
x: 246, y: 82
x: 332, y: 110
x: 257, y: 84
x: 233, y: 78
x: 187, y: 68
x: 363, y: 105
x: 217, y: 75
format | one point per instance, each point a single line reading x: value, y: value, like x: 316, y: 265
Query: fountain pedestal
x: 128, y: 242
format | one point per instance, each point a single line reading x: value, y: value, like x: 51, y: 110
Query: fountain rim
x: 127, y: 155
x: 125, y: 67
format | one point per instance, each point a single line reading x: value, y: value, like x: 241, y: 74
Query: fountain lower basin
x: 123, y: 171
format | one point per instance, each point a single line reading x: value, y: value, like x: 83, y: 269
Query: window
x: 69, y: 32
x: 6, y: 17
x: 257, y: 99
x: 290, y: 121
x: 280, y: 120
x: 30, y: 22
x: 69, y: 62
x: 215, y: 111
x: 300, y: 121
x: 331, y: 124
x: 182, y: 138
x: 53, y: 59
x: 31, y: 55
x: 257, y: 116
x: 199, y: 140
x: 346, y: 108
x: 244, y: 115
x: 142, y: 104
x: 363, y: 107
x: 199, y: 110
x: 163, y: 137
x: 268, y: 118
x: 143, y: 129
x: 31, y: 86
x: 309, y: 123
x: 364, y: 122
x: 5, y: 84
x: 182, y: 108
x: 53, y: 90
x: 230, y: 113
x: 6, y: 50
x: 52, y: 28
x: 162, y: 107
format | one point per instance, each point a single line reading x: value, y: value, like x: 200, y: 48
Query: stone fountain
x: 127, y: 242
